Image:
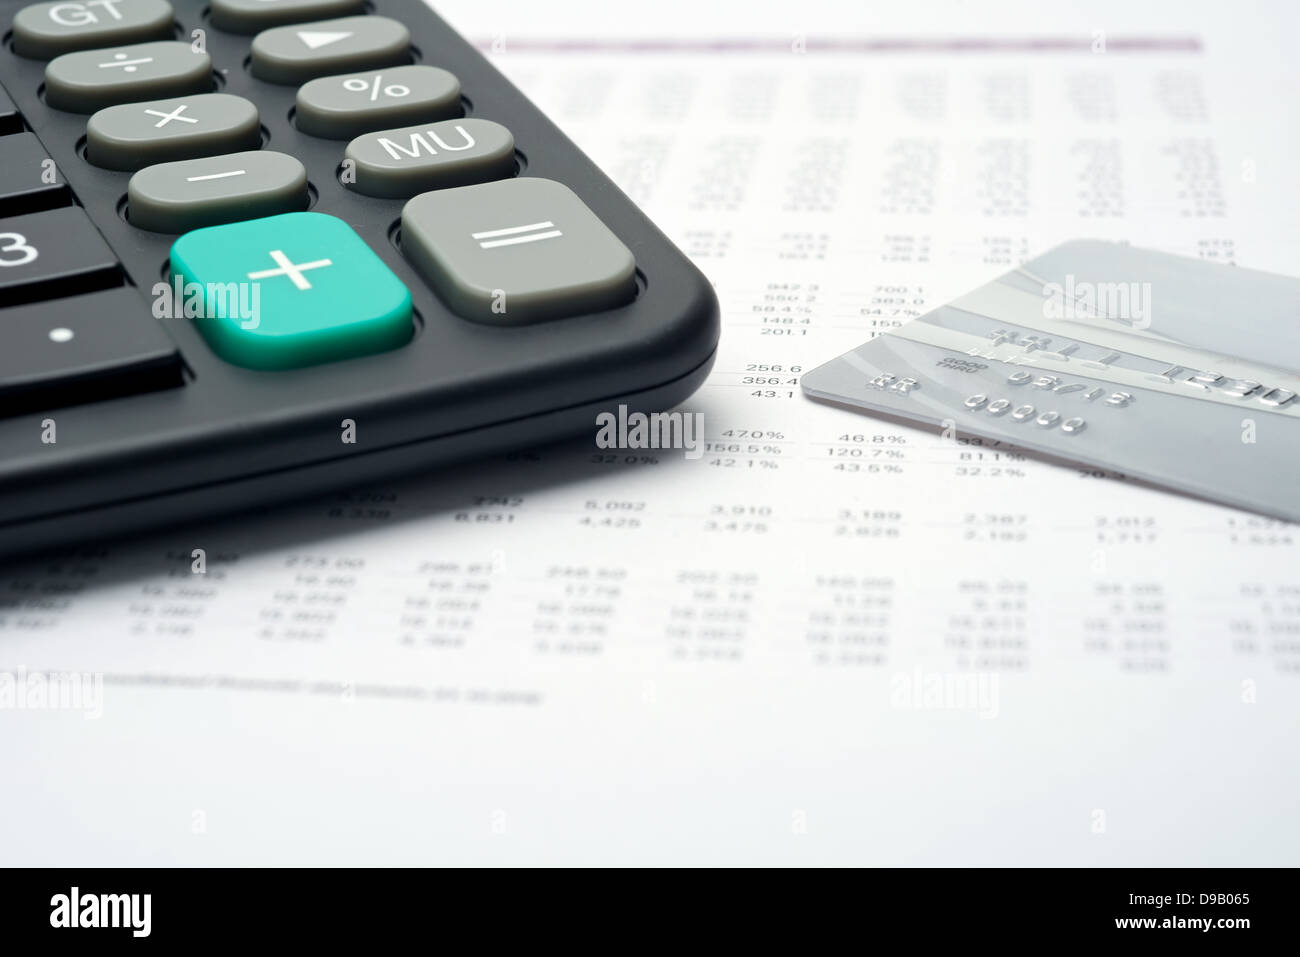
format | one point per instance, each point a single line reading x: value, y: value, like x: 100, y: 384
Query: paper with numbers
x: 827, y: 639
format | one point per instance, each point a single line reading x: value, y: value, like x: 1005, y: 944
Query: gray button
x: 397, y: 164
x: 304, y: 51
x: 517, y: 250
x: 46, y: 30
x: 135, y: 135
x: 93, y: 79
x: 249, y: 16
x: 178, y: 197
x: 344, y: 106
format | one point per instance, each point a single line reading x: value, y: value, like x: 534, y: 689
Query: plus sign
x: 287, y: 268
x: 173, y: 115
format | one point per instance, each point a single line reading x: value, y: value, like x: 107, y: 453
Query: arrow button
x: 316, y: 39
x: 294, y: 54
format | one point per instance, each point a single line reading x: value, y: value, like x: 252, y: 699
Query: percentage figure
x: 359, y: 84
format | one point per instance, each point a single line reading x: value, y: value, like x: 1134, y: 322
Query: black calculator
x: 252, y: 250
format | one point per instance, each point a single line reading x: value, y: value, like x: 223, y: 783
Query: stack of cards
x: 1172, y: 370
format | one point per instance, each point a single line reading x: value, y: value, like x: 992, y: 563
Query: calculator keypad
x: 93, y: 79
x: 300, y: 52
x: 190, y: 194
x: 131, y: 136
x: 47, y: 30
x: 341, y: 107
x: 495, y: 248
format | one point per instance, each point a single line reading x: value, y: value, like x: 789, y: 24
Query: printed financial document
x: 817, y: 636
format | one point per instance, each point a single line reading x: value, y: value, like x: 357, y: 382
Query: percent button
x: 345, y: 106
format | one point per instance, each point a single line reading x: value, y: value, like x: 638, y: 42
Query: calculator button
x: 397, y: 164
x: 83, y: 348
x: 341, y: 107
x: 307, y: 290
x: 516, y: 250
x: 304, y: 51
x: 46, y: 30
x: 11, y: 121
x: 132, y: 136
x: 93, y: 79
x: 55, y: 253
x: 178, y: 197
x: 250, y: 16
x: 31, y: 181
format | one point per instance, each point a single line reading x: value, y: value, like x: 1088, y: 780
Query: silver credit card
x: 1172, y: 370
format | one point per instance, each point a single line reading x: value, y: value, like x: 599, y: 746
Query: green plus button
x: 291, y: 290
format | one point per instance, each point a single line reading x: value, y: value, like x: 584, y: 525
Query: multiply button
x: 132, y: 136
x: 47, y: 30
x: 397, y: 164
x: 177, y: 197
x: 516, y: 250
x: 304, y: 51
x: 291, y: 290
x: 249, y: 16
x: 341, y: 107
x: 93, y: 79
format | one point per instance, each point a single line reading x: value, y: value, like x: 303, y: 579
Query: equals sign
x: 516, y: 234
x: 200, y: 179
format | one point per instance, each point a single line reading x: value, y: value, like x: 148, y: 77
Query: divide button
x: 90, y: 80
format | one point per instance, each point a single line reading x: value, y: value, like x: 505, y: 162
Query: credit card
x: 1175, y: 371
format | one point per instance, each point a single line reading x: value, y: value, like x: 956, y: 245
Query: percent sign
x: 359, y: 85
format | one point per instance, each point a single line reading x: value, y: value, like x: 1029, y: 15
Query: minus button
x: 190, y: 194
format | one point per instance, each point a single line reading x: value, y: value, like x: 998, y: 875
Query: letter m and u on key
x: 401, y: 163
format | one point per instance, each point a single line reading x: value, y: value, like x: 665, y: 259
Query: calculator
x: 252, y: 250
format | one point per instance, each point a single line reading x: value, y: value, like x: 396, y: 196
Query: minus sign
x: 233, y: 172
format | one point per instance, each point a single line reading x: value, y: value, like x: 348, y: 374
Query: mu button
x: 288, y: 291
x: 401, y: 163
